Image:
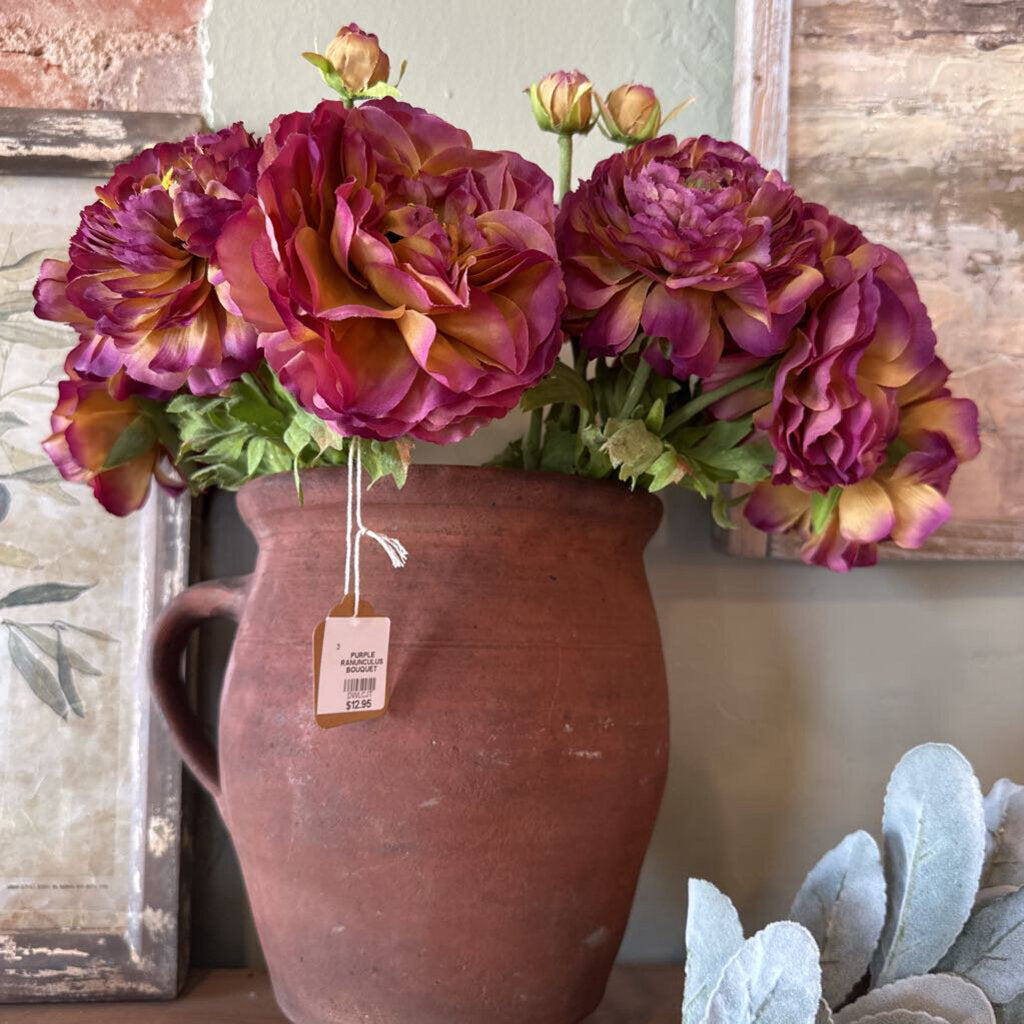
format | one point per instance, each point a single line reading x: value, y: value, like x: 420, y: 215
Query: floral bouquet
x: 364, y: 275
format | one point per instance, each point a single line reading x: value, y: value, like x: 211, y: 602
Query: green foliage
x: 257, y: 428
x: 620, y: 418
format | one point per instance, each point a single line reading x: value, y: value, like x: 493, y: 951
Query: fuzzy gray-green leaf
x: 713, y: 936
x: 990, y: 949
x: 1004, y: 844
x: 1012, y: 1012
x: 934, y: 831
x: 40, y: 679
x: 942, y: 995
x: 842, y: 904
x: 773, y: 978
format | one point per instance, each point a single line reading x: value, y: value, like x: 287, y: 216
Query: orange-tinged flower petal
x: 866, y: 514
x: 955, y: 418
x: 920, y: 511
x: 776, y: 508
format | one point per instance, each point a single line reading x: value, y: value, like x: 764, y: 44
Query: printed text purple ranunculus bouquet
x: 248, y: 307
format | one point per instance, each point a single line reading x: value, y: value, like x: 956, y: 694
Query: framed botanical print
x: 90, y: 785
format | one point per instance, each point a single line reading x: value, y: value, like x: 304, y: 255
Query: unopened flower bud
x: 631, y: 113
x: 357, y: 58
x: 563, y: 103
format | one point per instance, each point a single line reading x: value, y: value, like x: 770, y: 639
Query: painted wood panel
x: 907, y: 118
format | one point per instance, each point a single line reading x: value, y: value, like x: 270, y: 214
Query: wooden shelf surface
x: 636, y: 995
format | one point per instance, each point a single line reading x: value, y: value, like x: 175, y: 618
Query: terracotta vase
x: 471, y: 856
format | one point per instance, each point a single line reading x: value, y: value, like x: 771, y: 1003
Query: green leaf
x: 387, y: 458
x: 822, y: 507
x: 254, y: 455
x: 722, y: 435
x: 136, y: 439
x: 745, y: 464
x: 510, y: 457
x: 258, y: 414
x: 43, y: 593
x: 296, y: 438
x: 182, y: 405
x: 321, y: 433
x: 563, y: 384
x: 228, y: 448
x: 558, y: 454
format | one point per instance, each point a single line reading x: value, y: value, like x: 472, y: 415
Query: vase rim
x: 434, y: 485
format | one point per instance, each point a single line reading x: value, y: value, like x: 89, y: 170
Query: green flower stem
x: 697, y: 405
x: 564, y: 165
x: 531, y: 449
x: 636, y: 388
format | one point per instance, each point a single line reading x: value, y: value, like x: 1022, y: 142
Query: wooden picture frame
x: 789, y: 59
x: 130, y: 942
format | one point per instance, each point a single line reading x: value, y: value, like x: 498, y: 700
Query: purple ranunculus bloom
x: 136, y: 285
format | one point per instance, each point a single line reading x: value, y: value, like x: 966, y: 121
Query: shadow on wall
x: 794, y: 692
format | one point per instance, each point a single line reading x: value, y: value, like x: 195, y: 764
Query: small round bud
x: 563, y: 103
x: 631, y: 113
x: 357, y: 58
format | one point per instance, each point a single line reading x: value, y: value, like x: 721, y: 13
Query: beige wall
x: 793, y: 691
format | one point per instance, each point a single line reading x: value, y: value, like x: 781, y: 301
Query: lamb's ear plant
x: 929, y: 930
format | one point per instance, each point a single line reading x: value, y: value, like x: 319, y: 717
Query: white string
x: 393, y: 548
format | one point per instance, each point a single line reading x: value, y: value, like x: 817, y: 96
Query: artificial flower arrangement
x: 363, y: 272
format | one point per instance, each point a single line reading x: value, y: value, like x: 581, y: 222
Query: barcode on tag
x: 361, y: 685
x: 353, y: 665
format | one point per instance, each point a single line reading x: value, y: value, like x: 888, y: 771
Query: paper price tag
x: 350, y: 665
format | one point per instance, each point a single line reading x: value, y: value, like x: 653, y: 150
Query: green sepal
x: 136, y: 439
x: 822, y: 507
x: 655, y: 417
x: 377, y: 91
x: 539, y: 113
x: 631, y: 447
x: 669, y: 468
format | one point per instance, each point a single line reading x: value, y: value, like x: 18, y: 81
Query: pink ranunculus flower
x: 695, y: 243
x: 904, y: 500
x: 86, y: 424
x: 136, y: 285
x: 835, y: 407
x: 403, y: 282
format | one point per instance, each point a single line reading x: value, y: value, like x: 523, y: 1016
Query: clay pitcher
x: 471, y: 856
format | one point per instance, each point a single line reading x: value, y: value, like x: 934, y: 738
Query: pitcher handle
x: 170, y: 636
